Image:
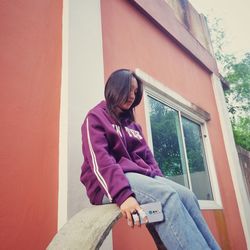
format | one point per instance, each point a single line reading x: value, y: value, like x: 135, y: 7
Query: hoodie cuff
x: 123, y: 195
x: 160, y: 173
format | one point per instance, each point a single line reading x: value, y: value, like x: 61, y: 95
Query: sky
x: 235, y: 18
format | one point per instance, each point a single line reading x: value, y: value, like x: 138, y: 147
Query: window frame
x: 162, y: 93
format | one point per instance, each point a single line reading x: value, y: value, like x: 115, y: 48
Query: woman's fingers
x: 124, y: 214
x: 143, y: 216
x: 132, y: 211
x: 129, y: 219
x: 136, y: 219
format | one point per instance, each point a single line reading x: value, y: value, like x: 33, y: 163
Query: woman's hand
x: 129, y: 206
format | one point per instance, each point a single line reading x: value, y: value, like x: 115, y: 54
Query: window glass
x: 196, y: 160
x: 167, y: 141
x: 178, y: 148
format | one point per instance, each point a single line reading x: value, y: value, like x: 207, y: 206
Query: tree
x: 168, y: 143
x: 237, y: 73
x: 239, y: 79
x: 242, y: 132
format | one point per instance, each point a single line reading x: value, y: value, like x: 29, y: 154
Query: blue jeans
x: 184, y: 226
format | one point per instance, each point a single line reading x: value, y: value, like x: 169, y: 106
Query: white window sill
x: 209, y: 205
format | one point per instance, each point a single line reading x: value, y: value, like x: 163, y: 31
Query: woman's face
x: 131, y: 96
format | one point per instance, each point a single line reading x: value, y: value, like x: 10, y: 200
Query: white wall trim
x: 217, y: 203
x: 85, y: 90
x: 63, y: 126
x: 173, y: 99
x: 233, y: 159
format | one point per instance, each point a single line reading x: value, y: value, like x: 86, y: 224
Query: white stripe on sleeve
x: 95, y: 164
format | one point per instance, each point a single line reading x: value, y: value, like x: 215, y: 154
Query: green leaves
x: 242, y: 132
x: 237, y: 73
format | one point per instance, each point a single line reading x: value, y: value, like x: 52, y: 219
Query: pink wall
x: 130, y: 40
x: 30, y: 62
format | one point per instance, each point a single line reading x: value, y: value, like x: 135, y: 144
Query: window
x: 178, y: 148
x: 178, y: 136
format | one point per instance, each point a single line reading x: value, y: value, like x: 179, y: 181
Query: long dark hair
x: 117, y: 91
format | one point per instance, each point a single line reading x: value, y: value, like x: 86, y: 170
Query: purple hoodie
x: 110, y: 150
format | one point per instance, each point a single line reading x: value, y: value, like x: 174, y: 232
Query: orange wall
x: 30, y: 63
x: 130, y: 40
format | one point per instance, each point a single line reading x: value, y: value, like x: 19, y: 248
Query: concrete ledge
x: 87, y: 229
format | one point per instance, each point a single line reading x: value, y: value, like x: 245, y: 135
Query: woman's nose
x: 132, y: 94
